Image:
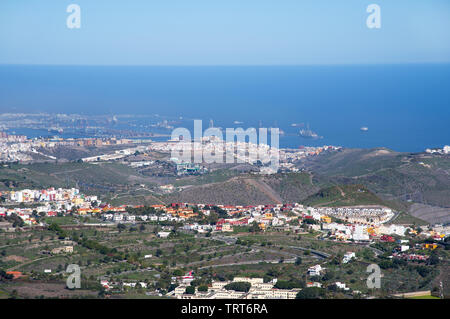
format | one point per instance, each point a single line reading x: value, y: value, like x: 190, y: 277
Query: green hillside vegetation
x: 355, y: 162
x: 237, y: 191
x: 400, y: 178
x: 245, y: 189
x: 344, y: 195
x: 407, y: 219
x: 291, y: 186
x: 97, y: 178
x: 221, y: 175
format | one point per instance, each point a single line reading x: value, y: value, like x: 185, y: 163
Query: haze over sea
x: 405, y: 107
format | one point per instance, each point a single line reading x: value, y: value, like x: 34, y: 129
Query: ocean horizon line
x: 231, y: 65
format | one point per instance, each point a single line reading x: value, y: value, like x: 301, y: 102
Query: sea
x: 406, y: 107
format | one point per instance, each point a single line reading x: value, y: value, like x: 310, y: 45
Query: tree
x: 283, y: 284
x: 74, y: 210
x: 57, y: 229
x: 309, y: 222
x: 238, y: 286
x: 203, y: 288
x: 14, y: 294
x: 423, y: 271
x: 272, y: 272
x: 332, y: 287
x: 121, y: 227
x: 4, y: 275
x: 309, y: 293
x: 434, y: 259
x: 386, y: 264
x: 298, y: 261
x: 254, y: 227
x: 190, y: 290
x: 328, y: 276
x: 212, y: 218
x: 177, y: 272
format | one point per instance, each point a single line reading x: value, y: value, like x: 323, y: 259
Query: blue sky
x: 224, y: 32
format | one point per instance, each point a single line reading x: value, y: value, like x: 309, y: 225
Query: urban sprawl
x: 341, y: 224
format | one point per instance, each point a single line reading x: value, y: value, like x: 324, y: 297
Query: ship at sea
x: 364, y: 128
x: 55, y: 129
x: 308, y: 133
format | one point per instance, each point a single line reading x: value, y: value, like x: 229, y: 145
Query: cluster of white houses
x: 50, y: 202
x: 45, y: 195
x: 340, y: 223
x: 258, y: 290
x: 366, y: 215
x: 20, y: 148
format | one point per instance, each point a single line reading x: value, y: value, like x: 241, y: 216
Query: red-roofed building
x: 388, y: 239
x: 15, y: 274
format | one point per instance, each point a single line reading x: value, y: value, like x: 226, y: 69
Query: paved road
x: 375, y: 250
x: 313, y: 251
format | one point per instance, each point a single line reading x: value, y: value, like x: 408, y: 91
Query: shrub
x: 203, y: 288
x: 310, y: 293
x: 190, y: 290
x: 238, y: 286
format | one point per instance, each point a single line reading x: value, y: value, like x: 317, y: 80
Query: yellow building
x: 325, y: 219
x: 431, y: 246
x: 78, y: 201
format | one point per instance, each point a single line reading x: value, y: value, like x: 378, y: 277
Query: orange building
x: 15, y: 274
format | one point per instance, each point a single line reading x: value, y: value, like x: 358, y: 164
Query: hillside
x: 344, y: 195
x: 417, y: 183
x: 404, y: 178
x: 98, y: 178
x: 249, y: 189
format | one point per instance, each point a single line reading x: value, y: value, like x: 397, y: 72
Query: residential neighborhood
x: 352, y: 226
